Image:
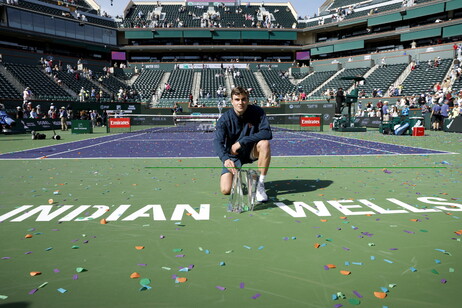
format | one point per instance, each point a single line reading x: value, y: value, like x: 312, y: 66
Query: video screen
x: 303, y: 55
x: 118, y: 55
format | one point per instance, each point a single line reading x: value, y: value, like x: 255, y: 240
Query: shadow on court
x: 276, y: 189
x: 15, y: 305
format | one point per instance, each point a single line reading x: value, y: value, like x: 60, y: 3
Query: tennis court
x: 353, y: 219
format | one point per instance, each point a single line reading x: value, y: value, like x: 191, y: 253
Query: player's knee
x: 263, y: 146
x: 225, y: 190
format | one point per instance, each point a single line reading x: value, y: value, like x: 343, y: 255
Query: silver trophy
x: 242, y: 198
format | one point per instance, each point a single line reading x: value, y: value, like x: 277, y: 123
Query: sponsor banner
x: 308, y: 121
x: 27, y: 125
x: 373, y: 122
x: 453, y: 125
x: 119, y: 122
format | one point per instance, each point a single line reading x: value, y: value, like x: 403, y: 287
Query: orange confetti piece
x: 139, y: 247
x: 188, y: 214
x: 28, y: 236
x: 135, y: 275
x: 50, y: 201
x: 343, y: 217
x: 181, y: 279
x: 35, y: 273
x: 316, y: 245
x: 103, y: 221
x: 346, y: 273
x: 320, y: 195
x: 323, y: 220
x: 380, y: 294
x: 331, y: 266
x: 415, y: 220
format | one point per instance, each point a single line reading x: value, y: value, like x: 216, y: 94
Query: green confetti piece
x: 75, y: 247
x: 354, y: 301
x: 145, y: 282
x: 177, y: 250
x: 434, y: 271
x: 42, y: 285
x: 451, y: 270
x: 80, y: 270
x: 3, y: 297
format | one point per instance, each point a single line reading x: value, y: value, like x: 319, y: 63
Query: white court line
x: 85, y: 147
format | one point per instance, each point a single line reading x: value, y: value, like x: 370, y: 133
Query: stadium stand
x: 310, y: 83
x: 382, y: 78
x: 40, y: 84
x: 338, y: 82
x: 248, y: 81
x: 7, y: 90
x: 180, y: 81
x: 148, y: 82
x: 211, y: 80
x: 422, y: 79
x: 278, y: 81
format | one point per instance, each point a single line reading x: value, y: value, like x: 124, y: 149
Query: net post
x: 321, y: 120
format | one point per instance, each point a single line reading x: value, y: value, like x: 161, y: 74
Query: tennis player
x: 242, y: 136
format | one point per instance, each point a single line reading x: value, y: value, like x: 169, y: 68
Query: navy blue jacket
x: 248, y: 129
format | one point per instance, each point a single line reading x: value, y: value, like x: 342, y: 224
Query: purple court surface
x: 183, y: 145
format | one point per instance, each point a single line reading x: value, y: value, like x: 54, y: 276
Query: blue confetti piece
x: 437, y: 261
x: 413, y: 269
x: 61, y: 290
x: 357, y: 263
x: 347, y: 263
x: 207, y: 252
x: 372, y: 258
x: 261, y: 247
x: 388, y: 261
x: 384, y: 289
x: 334, y: 297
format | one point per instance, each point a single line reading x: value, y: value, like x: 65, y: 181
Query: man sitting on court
x: 242, y: 136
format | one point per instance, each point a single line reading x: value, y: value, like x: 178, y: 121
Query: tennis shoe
x: 261, y: 193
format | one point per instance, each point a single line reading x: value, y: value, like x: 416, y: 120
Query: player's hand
x: 230, y: 165
x: 235, y: 148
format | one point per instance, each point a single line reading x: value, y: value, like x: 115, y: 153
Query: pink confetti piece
x: 75, y: 277
x: 410, y: 232
x: 6, y: 258
x: 191, y: 266
x: 256, y: 296
x: 443, y: 281
x: 179, y: 256
x: 338, y: 306
x: 241, y: 285
x: 142, y: 264
x: 56, y: 270
x: 393, y: 248
x: 357, y: 294
x: 220, y: 288
x: 33, y: 291
x: 346, y: 248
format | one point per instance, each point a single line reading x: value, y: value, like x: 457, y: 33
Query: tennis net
x: 205, y: 123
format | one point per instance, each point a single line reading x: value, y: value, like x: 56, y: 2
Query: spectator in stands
x: 26, y: 95
x: 63, y: 115
x: 19, y: 113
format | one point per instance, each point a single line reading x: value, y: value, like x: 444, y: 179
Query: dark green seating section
x: 75, y: 84
x: 310, y: 83
x: 338, y: 82
x: 181, y: 81
x: 147, y: 83
x: 248, y: 80
x: 211, y: 80
x: 277, y: 83
x: 234, y: 17
x: 422, y: 79
x: 37, y: 80
x: 382, y: 78
x: 113, y: 84
x: 7, y: 90
x: 299, y: 75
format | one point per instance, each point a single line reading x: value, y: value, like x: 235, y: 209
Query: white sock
x: 261, y: 179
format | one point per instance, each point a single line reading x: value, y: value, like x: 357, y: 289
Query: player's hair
x: 239, y: 91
